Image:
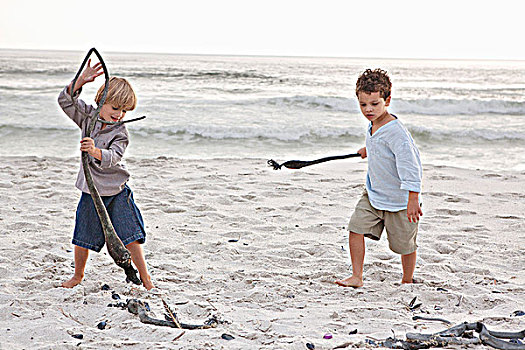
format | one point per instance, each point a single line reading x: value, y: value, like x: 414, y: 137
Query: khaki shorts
x: 370, y: 222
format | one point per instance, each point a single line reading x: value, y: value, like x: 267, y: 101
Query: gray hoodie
x: 108, y: 174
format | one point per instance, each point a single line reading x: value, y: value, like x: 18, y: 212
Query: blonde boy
x: 106, y: 146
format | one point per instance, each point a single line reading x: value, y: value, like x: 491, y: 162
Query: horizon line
x: 275, y: 55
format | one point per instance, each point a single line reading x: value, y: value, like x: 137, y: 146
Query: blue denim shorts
x: 124, y: 215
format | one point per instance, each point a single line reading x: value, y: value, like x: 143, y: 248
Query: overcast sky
x: 366, y: 28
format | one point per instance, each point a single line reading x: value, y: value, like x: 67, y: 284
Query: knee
x: 356, y: 236
x: 133, y: 246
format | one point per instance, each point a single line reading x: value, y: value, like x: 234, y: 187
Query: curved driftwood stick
x: 489, y: 338
x: 137, y: 307
x: 453, y: 336
x: 298, y: 164
x: 115, y: 247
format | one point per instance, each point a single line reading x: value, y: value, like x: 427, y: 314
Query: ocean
x: 467, y: 114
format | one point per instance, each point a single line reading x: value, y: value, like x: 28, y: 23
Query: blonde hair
x: 120, y: 94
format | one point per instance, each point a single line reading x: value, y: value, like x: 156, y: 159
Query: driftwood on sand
x: 455, y: 335
x: 462, y: 334
x: 137, y: 307
x: 115, y: 247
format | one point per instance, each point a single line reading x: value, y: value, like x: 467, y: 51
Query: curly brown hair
x: 376, y: 80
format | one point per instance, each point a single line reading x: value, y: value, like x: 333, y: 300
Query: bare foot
x: 72, y: 282
x: 351, y: 281
x: 147, y: 283
x: 411, y: 281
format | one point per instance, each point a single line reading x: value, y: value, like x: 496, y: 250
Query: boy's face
x: 372, y: 105
x: 111, y: 114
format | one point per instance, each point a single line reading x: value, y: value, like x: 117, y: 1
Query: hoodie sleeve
x: 114, y: 153
x: 78, y: 113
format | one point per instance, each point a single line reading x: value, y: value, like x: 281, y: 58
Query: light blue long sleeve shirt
x: 394, y: 166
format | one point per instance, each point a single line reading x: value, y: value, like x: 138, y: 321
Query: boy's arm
x: 409, y: 170
x: 408, y: 166
x: 114, y: 153
x: 88, y: 75
x: 73, y: 107
x: 106, y: 157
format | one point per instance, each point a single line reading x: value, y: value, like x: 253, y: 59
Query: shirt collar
x: 381, y: 128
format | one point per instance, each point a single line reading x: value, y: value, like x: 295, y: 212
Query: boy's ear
x: 387, y: 101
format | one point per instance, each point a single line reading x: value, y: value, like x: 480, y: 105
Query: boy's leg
x: 402, y: 235
x: 408, y: 261
x: 137, y: 255
x: 81, y: 256
x: 356, y: 243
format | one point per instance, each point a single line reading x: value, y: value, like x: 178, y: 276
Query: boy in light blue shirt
x: 393, y: 182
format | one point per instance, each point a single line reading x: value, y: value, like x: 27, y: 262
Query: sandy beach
x: 260, y: 249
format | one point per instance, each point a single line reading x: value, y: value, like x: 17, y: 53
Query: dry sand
x: 273, y: 288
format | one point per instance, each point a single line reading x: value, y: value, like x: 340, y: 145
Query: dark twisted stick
x: 115, y: 247
x: 298, y: 164
x: 415, y: 318
x: 120, y: 122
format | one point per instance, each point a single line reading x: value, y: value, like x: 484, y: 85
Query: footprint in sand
x: 204, y: 207
x: 489, y: 176
x: 235, y: 188
x: 173, y: 210
x: 444, y: 248
x: 477, y: 228
x: 507, y: 195
x: 22, y: 226
x: 238, y: 199
x: 265, y: 209
x: 456, y: 200
x: 512, y: 217
x: 436, y: 194
x: 454, y: 212
x: 6, y: 185
x: 442, y: 177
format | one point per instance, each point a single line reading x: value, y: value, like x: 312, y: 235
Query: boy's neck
x: 383, y: 119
